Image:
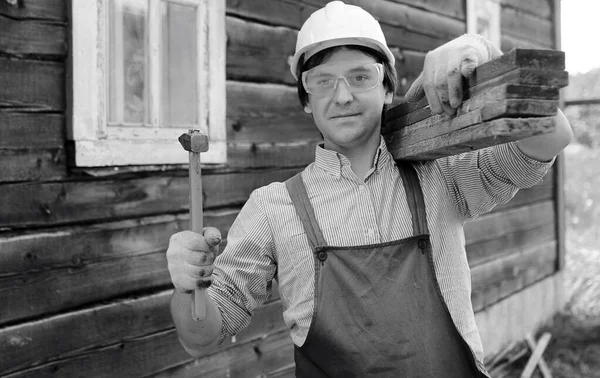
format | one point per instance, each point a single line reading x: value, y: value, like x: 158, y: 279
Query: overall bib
x: 379, y: 310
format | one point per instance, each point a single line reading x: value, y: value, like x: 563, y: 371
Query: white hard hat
x: 339, y: 24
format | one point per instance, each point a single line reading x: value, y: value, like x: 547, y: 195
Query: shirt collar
x: 332, y: 162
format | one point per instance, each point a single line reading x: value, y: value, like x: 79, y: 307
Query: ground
x: 574, y: 349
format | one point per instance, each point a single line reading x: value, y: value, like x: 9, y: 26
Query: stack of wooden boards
x: 509, y: 98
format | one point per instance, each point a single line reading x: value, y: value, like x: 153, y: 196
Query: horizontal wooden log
x: 272, y: 12
x: 32, y: 164
x: 508, y: 42
x: 32, y: 85
x: 452, y: 8
x: 270, y: 155
x: 40, y: 39
x: 155, y: 353
x: 70, y: 335
x: 45, y: 273
x: 260, y: 358
x: 266, y: 113
x: 251, y: 47
x: 526, y: 26
x: 500, y: 278
x: 31, y: 130
x: 509, y: 243
x: 49, y: 10
x: 53, y: 203
x: 538, y: 8
x: 455, y: 139
x: 494, y: 225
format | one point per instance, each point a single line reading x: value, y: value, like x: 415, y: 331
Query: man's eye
x: 360, y: 78
x: 324, y: 82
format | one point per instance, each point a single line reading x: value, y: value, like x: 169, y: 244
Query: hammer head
x: 194, y: 141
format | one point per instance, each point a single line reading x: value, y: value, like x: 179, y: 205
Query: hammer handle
x: 199, y: 296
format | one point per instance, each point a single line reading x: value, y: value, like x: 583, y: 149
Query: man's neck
x: 361, y: 157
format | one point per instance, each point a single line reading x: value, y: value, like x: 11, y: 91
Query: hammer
x: 195, y: 142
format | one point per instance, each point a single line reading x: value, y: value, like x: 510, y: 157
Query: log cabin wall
x: 83, y: 281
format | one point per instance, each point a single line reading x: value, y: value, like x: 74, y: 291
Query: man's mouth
x: 345, y: 115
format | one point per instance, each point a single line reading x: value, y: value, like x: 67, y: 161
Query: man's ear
x: 307, y: 109
x: 389, y: 96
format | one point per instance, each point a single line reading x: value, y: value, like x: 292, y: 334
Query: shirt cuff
x: 521, y: 170
x: 234, y: 318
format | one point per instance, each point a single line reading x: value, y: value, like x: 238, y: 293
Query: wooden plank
x: 546, y: 372
x: 559, y: 173
x: 31, y: 164
x: 538, y: 8
x: 269, y: 155
x: 51, y: 272
x: 528, y: 27
x: 536, y: 355
x: 266, y: 113
x: 20, y: 130
x: 53, y: 203
x: 152, y: 354
x: 40, y: 39
x: 272, y: 12
x: 260, y: 358
x: 73, y: 334
x: 508, y: 42
x: 509, y: 243
x: 452, y: 8
x: 32, y: 85
x: 413, y: 19
x: 50, y: 10
x: 455, y: 139
x: 500, y: 278
x: 251, y: 47
x: 494, y: 225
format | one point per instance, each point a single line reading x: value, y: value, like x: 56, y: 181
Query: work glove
x: 190, y: 258
x: 442, y: 77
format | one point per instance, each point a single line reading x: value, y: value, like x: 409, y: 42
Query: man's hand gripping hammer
x: 195, y: 142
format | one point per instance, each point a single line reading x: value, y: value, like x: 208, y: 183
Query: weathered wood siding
x: 83, y: 280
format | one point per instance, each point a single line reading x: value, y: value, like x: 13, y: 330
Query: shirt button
x: 370, y: 232
x: 362, y: 188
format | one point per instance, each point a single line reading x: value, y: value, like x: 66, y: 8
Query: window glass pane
x: 179, y: 65
x: 128, y: 82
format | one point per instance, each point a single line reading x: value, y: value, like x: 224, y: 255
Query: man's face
x: 348, y: 119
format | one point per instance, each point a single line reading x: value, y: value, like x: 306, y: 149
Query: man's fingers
x: 434, y: 102
x: 416, y: 90
x: 196, y: 258
x: 455, y: 89
x: 468, y: 63
x: 212, y: 236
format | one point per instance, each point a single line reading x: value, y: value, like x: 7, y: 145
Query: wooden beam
x: 32, y: 85
x: 32, y: 164
x: 46, y: 10
x: 84, y: 200
x: 31, y: 130
x: 546, y: 372
x: 509, y: 98
x: 502, y: 277
x: 536, y: 355
x: 35, y: 38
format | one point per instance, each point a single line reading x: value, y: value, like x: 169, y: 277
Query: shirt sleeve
x: 481, y: 179
x: 243, y: 273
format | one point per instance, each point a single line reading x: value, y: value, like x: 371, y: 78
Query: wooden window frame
x: 473, y: 14
x: 95, y: 142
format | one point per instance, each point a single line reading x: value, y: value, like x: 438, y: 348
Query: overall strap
x: 305, y: 211
x: 414, y: 195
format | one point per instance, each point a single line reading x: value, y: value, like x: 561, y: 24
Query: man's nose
x: 342, y: 93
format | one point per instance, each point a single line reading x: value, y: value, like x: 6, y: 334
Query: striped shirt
x: 267, y: 240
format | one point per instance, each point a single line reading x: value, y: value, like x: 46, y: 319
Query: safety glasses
x: 359, y: 77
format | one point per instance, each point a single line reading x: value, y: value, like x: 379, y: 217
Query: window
x: 143, y: 72
x: 483, y: 17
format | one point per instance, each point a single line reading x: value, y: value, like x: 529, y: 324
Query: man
x: 368, y: 254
